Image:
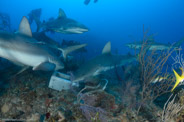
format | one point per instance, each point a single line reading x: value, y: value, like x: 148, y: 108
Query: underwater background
x: 139, y: 78
x: 119, y: 21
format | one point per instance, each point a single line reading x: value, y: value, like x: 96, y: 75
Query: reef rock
x: 5, y: 108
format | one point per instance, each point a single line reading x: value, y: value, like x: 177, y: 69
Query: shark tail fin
x: 70, y: 49
x: 178, y: 43
x: 178, y: 79
x: 35, y: 15
x: 38, y: 24
x: 86, y: 2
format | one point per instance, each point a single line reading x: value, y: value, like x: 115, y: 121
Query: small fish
x: 86, y: 2
x: 158, y: 79
x: 179, y: 79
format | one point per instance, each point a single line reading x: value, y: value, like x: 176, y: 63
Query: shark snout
x: 81, y: 28
x: 77, y: 30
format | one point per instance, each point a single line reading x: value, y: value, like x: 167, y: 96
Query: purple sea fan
x: 90, y: 100
x: 91, y: 113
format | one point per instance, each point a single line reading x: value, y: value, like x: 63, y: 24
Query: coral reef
x: 127, y: 95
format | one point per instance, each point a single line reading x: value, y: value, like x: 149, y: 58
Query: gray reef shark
x: 101, y: 63
x: 62, y: 24
x: 22, y: 49
x: 152, y: 45
x: 86, y: 2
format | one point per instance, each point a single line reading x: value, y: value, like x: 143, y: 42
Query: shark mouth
x: 77, y: 30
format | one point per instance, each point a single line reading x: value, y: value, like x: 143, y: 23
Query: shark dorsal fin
x: 24, y: 27
x: 61, y: 14
x: 107, y: 48
x: 150, y: 38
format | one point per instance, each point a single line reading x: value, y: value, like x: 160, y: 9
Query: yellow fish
x: 178, y: 78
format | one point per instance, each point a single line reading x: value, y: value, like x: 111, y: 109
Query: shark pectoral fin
x: 107, y: 48
x: 70, y: 49
x: 24, y: 27
x: 20, y: 71
x: 45, y: 66
x: 178, y: 80
x: 97, y: 72
x: 178, y: 43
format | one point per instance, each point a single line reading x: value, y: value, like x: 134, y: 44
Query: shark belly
x: 23, y: 58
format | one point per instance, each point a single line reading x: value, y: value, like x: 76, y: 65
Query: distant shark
x: 101, y: 63
x: 86, y: 2
x: 22, y: 49
x: 62, y: 24
x: 152, y: 45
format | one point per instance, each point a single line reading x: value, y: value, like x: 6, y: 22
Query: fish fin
x: 45, y: 66
x: 38, y: 24
x: 70, y: 49
x: 178, y: 43
x: 178, y: 80
x: 61, y: 13
x: 20, y: 71
x: 182, y: 73
x: 151, y: 39
x: 33, y: 13
x: 86, y: 2
x: 24, y: 27
x: 95, y: 1
x: 169, y: 43
x: 107, y: 48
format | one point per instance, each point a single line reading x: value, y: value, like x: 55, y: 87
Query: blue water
x: 118, y: 21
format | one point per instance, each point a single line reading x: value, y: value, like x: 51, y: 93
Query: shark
x: 62, y: 24
x: 152, y: 45
x: 24, y: 50
x: 86, y: 2
x: 101, y: 63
